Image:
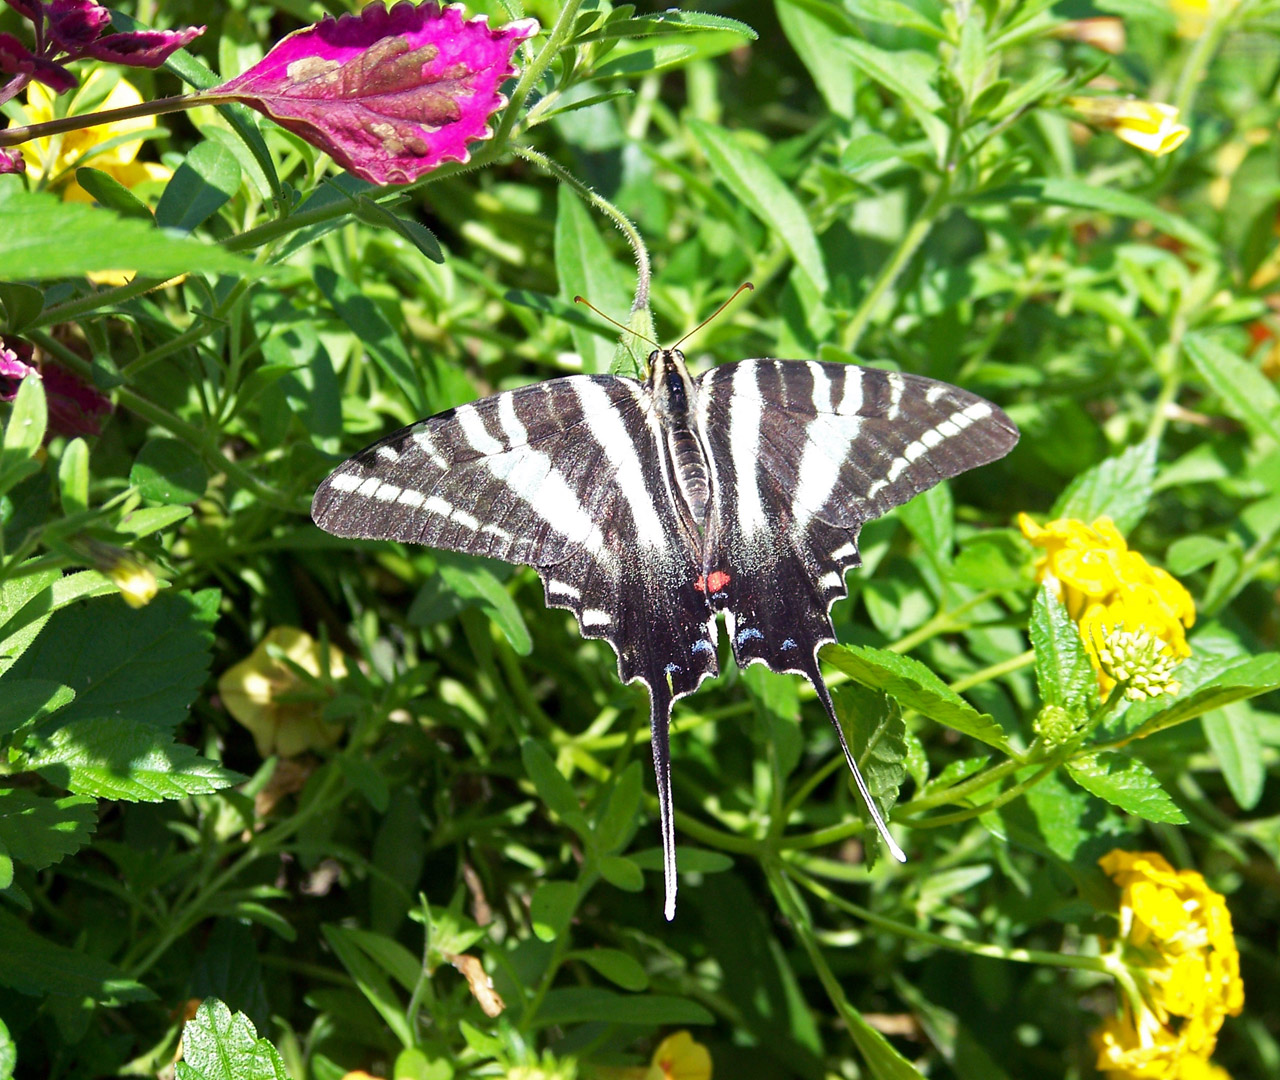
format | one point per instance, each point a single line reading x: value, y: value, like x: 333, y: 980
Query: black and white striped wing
x: 803, y: 453
x: 570, y: 477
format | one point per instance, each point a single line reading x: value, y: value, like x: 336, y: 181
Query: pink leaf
x: 140, y: 48
x: 388, y: 94
x: 28, y: 9
x: 17, y: 59
x: 73, y: 23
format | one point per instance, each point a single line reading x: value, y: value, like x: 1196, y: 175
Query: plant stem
x: 537, y: 68
x: 13, y: 136
x: 644, y: 273
x: 890, y: 271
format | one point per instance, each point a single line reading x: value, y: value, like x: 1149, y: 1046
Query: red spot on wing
x: 712, y: 582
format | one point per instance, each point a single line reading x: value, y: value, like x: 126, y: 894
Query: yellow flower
x: 55, y: 158
x: 1133, y: 616
x: 678, y: 1057
x: 1148, y: 125
x: 283, y: 711
x: 136, y: 582
x: 1177, y: 943
x: 1192, y: 16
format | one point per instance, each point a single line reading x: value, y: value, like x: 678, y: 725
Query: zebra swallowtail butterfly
x: 647, y: 508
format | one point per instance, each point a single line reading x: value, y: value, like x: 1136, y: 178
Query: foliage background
x: 1121, y: 309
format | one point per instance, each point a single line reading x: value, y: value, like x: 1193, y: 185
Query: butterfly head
x: 669, y: 382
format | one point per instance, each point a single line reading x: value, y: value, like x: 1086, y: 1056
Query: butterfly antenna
x: 620, y: 326
x: 737, y: 292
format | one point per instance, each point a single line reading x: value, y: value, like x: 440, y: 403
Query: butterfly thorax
x: 675, y: 396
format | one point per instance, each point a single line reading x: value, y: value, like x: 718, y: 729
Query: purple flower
x: 388, y: 94
x: 71, y: 30
x: 75, y: 407
x: 12, y: 161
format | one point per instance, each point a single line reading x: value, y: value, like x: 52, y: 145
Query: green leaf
x: 689, y: 860
x: 1232, y: 732
x: 145, y: 665
x: 582, y: 1004
x: 379, y: 216
x: 109, y: 192
x: 621, y: 969
x: 123, y: 758
x: 1127, y: 783
x: 914, y: 686
x: 168, y: 471
x: 622, y: 873
x: 903, y: 72
x: 42, y: 237
x: 25, y: 607
x: 810, y: 29
x: 366, y: 320
x: 23, y: 433
x: 205, y: 182
x: 471, y: 581
x: 35, y: 966
x: 8, y: 1053
x: 1119, y: 488
x: 73, y: 477
x: 761, y: 190
x: 370, y: 979
x: 552, y: 787
x: 389, y: 955
x: 22, y: 304
x: 40, y: 831
x: 219, y: 1046
x: 552, y: 907
x: 1248, y: 395
x: 25, y: 702
x: 586, y: 267
x: 620, y: 816
x: 1247, y: 679
x: 877, y: 739
x: 148, y: 519
x: 930, y: 518
x: 1063, y: 672
x: 1082, y: 196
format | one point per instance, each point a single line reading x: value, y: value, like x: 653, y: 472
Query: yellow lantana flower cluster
x: 1133, y: 616
x: 1177, y: 944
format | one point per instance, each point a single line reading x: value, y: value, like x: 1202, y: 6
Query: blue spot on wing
x: 747, y: 633
x: 789, y: 644
x: 671, y: 669
x: 702, y: 646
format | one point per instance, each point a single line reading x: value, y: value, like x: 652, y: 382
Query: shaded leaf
x: 1127, y: 783
x: 580, y: 1004
x: 1247, y: 394
x: 36, y: 966
x: 40, y: 831
x: 1119, y: 488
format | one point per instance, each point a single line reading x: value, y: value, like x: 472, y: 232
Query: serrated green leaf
x: 873, y: 727
x: 25, y: 702
x: 761, y: 190
x: 582, y: 1004
x: 1119, y: 488
x: 35, y: 966
x: 42, y: 237
x: 1063, y: 672
x: 1127, y: 783
x: 219, y: 1046
x: 40, y: 831
x: 1248, y: 679
x: 621, y: 969
x: 145, y: 666
x: 552, y: 907
x: 914, y: 686
x: 1233, y: 736
x: 122, y: 758
x: 1248, y: 395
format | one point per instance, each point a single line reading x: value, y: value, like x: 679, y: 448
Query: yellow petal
x: 678, y: 1057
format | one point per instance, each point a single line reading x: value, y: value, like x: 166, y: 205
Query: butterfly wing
x: 802, y: 454
x: 570, y: 477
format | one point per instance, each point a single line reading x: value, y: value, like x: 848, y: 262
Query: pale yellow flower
x: 1133, y: 616
x: 1192, y: 16
x: 1176, y: 940
x: 136, y: 582
x: 55, y: 158
x: 283, y: 711
x: 679, y: 1057
x: 1150, y: 126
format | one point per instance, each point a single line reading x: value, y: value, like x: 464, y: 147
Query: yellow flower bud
x: 1151, y: 126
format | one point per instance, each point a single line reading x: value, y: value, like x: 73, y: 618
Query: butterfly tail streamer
x: 819, y: 684
x: 660, y: 702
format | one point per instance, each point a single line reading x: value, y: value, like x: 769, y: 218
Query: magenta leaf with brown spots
x: 389, y: 94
